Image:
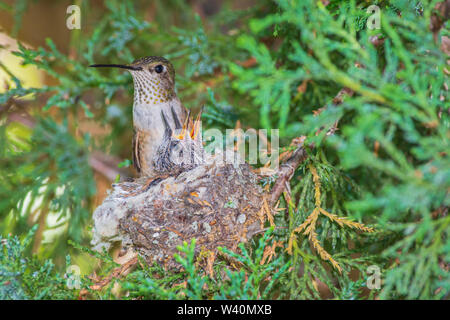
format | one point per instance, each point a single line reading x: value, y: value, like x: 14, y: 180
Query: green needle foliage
x: 277, y: 64
x: 22, y: 277
x: 249, y: 281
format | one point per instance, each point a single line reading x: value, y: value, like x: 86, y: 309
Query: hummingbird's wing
x: 136, y: 151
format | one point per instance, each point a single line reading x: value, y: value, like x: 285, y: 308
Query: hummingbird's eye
x: 159, y: 68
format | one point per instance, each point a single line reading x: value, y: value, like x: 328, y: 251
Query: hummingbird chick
x: 181, y: 151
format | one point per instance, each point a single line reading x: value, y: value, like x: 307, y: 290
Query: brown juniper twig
x: 299, y: 155
x: 286, y: 172
x: 100, y: 162
x: 117, y: 272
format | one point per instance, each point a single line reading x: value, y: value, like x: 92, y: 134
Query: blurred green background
x: 66, y: 130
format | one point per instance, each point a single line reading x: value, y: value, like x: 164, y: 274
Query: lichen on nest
x: 216, y: 203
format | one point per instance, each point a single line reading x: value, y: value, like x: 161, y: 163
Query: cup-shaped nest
x: 216, y: 203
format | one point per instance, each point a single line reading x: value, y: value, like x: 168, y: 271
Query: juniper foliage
x: 273, y: 65
x: 23, y: 277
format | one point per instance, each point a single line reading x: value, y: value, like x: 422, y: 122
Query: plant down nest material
x: 216, y: 203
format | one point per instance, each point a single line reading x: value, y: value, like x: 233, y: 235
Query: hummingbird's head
x: 153, y: 77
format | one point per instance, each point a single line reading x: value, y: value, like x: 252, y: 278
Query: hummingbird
x: 179, y: 152
x: 156, y: 110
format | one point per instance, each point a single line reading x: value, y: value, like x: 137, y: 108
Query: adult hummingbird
x: 154, y: 95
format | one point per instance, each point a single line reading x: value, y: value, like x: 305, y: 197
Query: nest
x: 218, y: 204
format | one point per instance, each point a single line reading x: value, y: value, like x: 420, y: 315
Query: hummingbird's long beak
x: 116, y: 66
